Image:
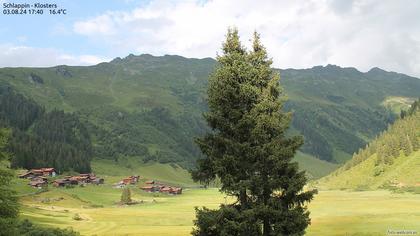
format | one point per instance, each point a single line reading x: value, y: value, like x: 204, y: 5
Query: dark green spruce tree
x: 9, y: 208
x: 248, y: 149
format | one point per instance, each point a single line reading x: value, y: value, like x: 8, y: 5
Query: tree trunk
x: 243, y: 199
x: 266, y: 197
x: 266, y: 227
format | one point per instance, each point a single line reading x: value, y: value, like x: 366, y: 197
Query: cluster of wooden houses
x: 127, y: 181
x: 81, y: 179
x: 152, y: 186
x: 38, y: 178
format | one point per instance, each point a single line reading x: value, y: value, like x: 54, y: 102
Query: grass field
x: 332, y: 212
x: 157, y: 215
x: 363, y: 213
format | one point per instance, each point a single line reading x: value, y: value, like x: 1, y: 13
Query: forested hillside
x: 43, y: 139
x: 151, y: 107
x: 339, y: 110
x: 391, y: 159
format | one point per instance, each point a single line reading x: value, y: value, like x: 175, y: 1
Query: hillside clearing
x: 396, y: 104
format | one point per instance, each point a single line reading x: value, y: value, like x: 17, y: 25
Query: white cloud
x: 23, y: 56
x: 297, y: 33
x: 102, y: 25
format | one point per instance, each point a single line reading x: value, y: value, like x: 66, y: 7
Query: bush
x: 362, y: 188
x: 26, y: 228
x: 96, y: 206
x: 77, y: 217
x: 378, y: 170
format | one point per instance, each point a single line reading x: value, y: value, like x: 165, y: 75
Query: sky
x: 297, y: 33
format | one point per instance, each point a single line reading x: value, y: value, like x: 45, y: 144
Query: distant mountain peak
x: 377, y: 70
x: 332, y: 66
x: 142, y: 58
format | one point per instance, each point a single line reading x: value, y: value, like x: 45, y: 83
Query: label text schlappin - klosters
x: 27, y: 5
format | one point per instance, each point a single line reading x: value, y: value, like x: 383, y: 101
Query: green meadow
x: 333, y: 212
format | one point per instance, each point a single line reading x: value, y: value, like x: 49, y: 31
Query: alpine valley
x: 147, y: 109
x: 107, y: 149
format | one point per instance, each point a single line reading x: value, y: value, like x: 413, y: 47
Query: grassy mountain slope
x: 148, y: 110
x: 390, y: 161
x: 168, y: 173
x: 338, y: 110
x: 315, y: 168
x: 150, y: 107
x: 405, y: 171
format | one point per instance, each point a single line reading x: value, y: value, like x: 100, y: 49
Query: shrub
x: 362, y: 188
x: 77, y: 217
x: 126, y: 196
x: 378, y: 170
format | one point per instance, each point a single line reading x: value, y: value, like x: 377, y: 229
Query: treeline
x: 413, y: 108
x: 17, y: 111
x: 40, y: 139
x: 329, y: 127
x: 401, y: 138
x: 10, y: 225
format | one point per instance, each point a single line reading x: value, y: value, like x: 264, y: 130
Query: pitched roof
x: 147, y: 187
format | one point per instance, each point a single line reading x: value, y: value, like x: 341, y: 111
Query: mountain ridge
x: 131, y: 55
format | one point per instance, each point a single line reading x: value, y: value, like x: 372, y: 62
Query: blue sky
x: 55, y: 31
x: 297, y: 33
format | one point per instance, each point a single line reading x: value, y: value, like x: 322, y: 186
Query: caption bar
x: 33, y: 9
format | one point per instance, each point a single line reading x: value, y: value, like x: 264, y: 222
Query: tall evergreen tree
x: 8, y: 201
x: 248, y: 149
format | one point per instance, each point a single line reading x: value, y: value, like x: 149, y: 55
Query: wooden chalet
x: 165, y: 190
x: 97, y: 181
x: 127, y: 181
x: 26, y: 175
x: 39, y: 172
x: 151, y: 188
x: 78, y: 179
x: 162, y: 189
x: 61, y: 182
x: 148, y: 188
x: 131, y: 180
x: 150, y: 182
x: 135, y: 178
x: 38, y: 182
x: 176, y: 191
